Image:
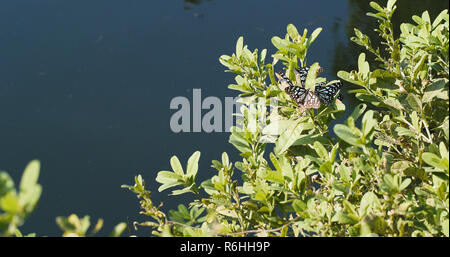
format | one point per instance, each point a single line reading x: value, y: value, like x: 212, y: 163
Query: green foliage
x: 16, y: 205
x: 73, y: 226
x: 177, y: 177
x: 388, y: 176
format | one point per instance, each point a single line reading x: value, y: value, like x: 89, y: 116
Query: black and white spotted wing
x: 327, y: 93
x: 304, y: 98
x: 302, y: 73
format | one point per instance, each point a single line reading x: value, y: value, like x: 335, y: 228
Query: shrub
x: 17, y: 205
x: 388, y: 176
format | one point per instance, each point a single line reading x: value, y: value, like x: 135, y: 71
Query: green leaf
x: 243, y: 88
x: 443, y: 150
x: 313, y: 36
x: 405, y: 184
x: 309, y: 139
x: 404, y: 132
x: 118, y: 229
x: 176, y: 166
x: 239, y: 46
x: 346, y: 134
x: 286, y: 168
x: 390, y: 4
x: 217, y: 165
x: 225, y: 159
x: 182, y: 191
x: 6, y: 184
x: 292, y: 31
x: 369, y: 202
x: 192, y: 165
x: 263, y: 55
x: 277, y: 127
x: 344, y: 174
x: 320, y: 150
x: 416, y: 172
x: 433, y: 160
x: 389, y: 183
x: 283, y: 44
x: 97, y: 227
x: 426, y: 17
x: 419, y: 65
x: 167, y: 185
x: 65, y: 224
x: 368, y: 123
x: 445, y: 129
x: 346, y: 76
x: 311, y: 77
x: 439, y: 18
x: 288, y: 137
x: 392, y: 102
x: 415, y: 121
x: 299, y: 206
x: 417, y: 19
x: 359, y: 109
x: 224, y: 60
x: 30, y: 175
x: 400, y: 166
x: 237, y: 140
x: 349, y: 215
x: 274, y: 176
x: 414, y: 102
x: 167, y: 176
x: 376, y: 6
x: 10, y: 203
x: 275, y: 162
x: 29, y: 198
x: 363, y: 66
x: 385, y: 79
x: 435, y: 89
x: 445, y: 227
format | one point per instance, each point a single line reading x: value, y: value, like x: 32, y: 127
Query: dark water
x: 85, y: 87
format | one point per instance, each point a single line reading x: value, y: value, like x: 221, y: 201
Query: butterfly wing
x: 302, y: 73
x: 327, y: 93
x: 311, y: 100
x: 298, y: 94
x: 283, y: 80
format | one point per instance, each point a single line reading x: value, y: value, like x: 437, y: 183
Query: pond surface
x: 85, y: 87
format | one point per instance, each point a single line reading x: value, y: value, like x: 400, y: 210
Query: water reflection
x: 189, y: 4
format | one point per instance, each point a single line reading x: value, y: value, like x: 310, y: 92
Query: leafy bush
x: 16, y: 206
x: 388, y: 176
x: 73, y: 226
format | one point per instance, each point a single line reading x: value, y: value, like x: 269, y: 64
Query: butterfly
x: 325, y: 93
x: 304, y: 98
